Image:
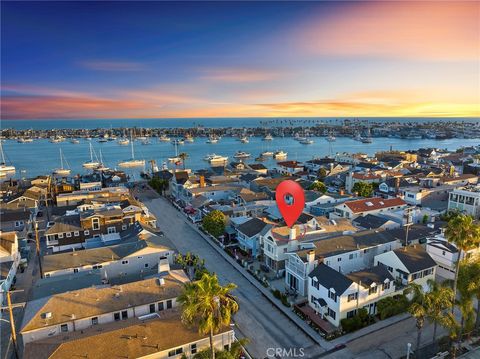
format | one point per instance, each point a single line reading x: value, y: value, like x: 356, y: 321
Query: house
x: 289, y: 168
x: 258, y: 168
x: 466, y: 200
x: 248, y: 235
x: 371, y: 221
x: 30, y: 199
x: 9, y: 261
x: 181, y: 181
x: 278, y: 241
x: 409, y: 264
x: 356, y: 177
x: 446, y: 254
x: 143, y: 337
x: 85, y: 308
x: 132, y: 255
x: 335, y: 296
x: 374, y: 205
x: 15, y: 220
x: 110, y: 194
x: 344, y: 253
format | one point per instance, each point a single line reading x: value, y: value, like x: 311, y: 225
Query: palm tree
x: 208, y: 305
x: 470, y: 276
x: 417, y: 308
x: 183, y: 156
x: 464, y: 234
x: 437, y: 300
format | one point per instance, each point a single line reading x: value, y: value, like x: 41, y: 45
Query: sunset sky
x: 65, y: 60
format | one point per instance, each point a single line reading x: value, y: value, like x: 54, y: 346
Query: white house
x: 362, y: 207
x: 466, y: 199
x: 344, y: 253
x: 445, y: 254
x: 9, y: 260
x: 409, y: 264
x: 335, y: 296
x: 85, y: 308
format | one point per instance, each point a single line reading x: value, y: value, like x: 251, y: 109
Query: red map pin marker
x: 290, y: 201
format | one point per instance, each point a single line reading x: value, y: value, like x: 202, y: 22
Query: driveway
x: 257, y: 318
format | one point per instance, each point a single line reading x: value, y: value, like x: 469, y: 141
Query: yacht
x: 175, y: 159
x: 189, y: 138
x: 212, y: 139
x: 244, y: 139
x: 306, y: 141
x: 4, y: 168
x: 146, y: 142
x: 218, y: 159
x: 123, y: 141
x: 132, y: 162
x: 268, y: 137
x: 241, y: 154
x: 366, y: 140
x: 24, y: 140
x: 331, y: 138
x: 266, y: 154
x: 164, y: 138
x: 92, y: 163
x: 279, y: 154
x: 62, y: 170
x: 178, y: 141
x: 357, y: 137
x: 74, y: 141
x: 102, y: 140
x: 57, y: 139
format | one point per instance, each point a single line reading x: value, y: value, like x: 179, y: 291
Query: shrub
x: 391, y: 306
x: 276, y: 293
x: 360, y: 320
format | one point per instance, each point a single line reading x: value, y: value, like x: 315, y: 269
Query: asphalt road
x: 257, y: 318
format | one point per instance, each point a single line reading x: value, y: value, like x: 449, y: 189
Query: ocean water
x: 41, y: 156
x: 206, y: 122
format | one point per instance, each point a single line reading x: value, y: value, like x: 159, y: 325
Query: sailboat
x: 132, y: 162
x: 102, y: 166
x: 4, y: 168
x: 91, y: 163
x: 62, y: 170
x: 176, y: 158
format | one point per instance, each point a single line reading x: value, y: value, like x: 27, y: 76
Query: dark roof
x: 252, y: 227
x: 164, y: 174
x: 257, y: 166
x: 443, y: 245
x: 181, y: 177
x: 368, y: 276
x: 60, y: 211
x: 415, y: 258
x: 370, y: 221
x: 14, y: 215
x: 330, y: 278
x: 304, y: 218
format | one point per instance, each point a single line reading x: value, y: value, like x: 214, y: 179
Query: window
x: 69, y: 234
x: 178, y: 351
x: 124, y: 227
x: 146, y: 265
x: 171, y: 353
x: 64, y: 328
x: 124, y: 314
x: 160, y: 306
x: 86, y: 232
x: 339, y: 259
x: 75, y: 270
x: 332, y: 295
x: 116, y: 316
x: 352, y: 296
x: 18, y: 223
x: 47, y: 275
x: 111, y: 230
x: 193, y: 348
x: 76, y: 233
x: 94, y: 320
x: 443, y: 253
x: 386, y: 286
x: 351, y: 313
x: 152, y: 308
x: 331, y: 313
x: 169, y: 304
x: 372, y: 290
x: 125, y: 262
x: 97, y: 266
x: 95, y: 223
x: 60, y: 235
x: 139, y: 257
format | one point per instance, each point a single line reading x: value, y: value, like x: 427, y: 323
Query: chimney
x: 341, y: 191
x: 310, y: 256
x: 163, y: 265
x: 397, y: 183
x: 293, y: 234
x: 202, y: 181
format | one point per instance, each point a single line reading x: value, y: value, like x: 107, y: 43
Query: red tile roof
x: 371, y: 204
x: 367, y: 176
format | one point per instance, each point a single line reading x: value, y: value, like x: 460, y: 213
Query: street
x: 257, y: 318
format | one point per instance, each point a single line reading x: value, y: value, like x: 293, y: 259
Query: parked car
x: 50, y: 224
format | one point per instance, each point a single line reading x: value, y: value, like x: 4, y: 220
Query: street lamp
x: 409, y: 346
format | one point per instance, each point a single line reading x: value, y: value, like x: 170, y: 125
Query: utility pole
x: 407, y: 215
x: 37, y: 246
x: 12, y: 325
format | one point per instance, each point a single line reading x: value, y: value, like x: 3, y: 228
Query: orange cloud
x: 236, y: 75
x: 426, y: 30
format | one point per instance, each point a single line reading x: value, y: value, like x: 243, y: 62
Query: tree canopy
x: 214, y: 223
x: 363, y: 189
